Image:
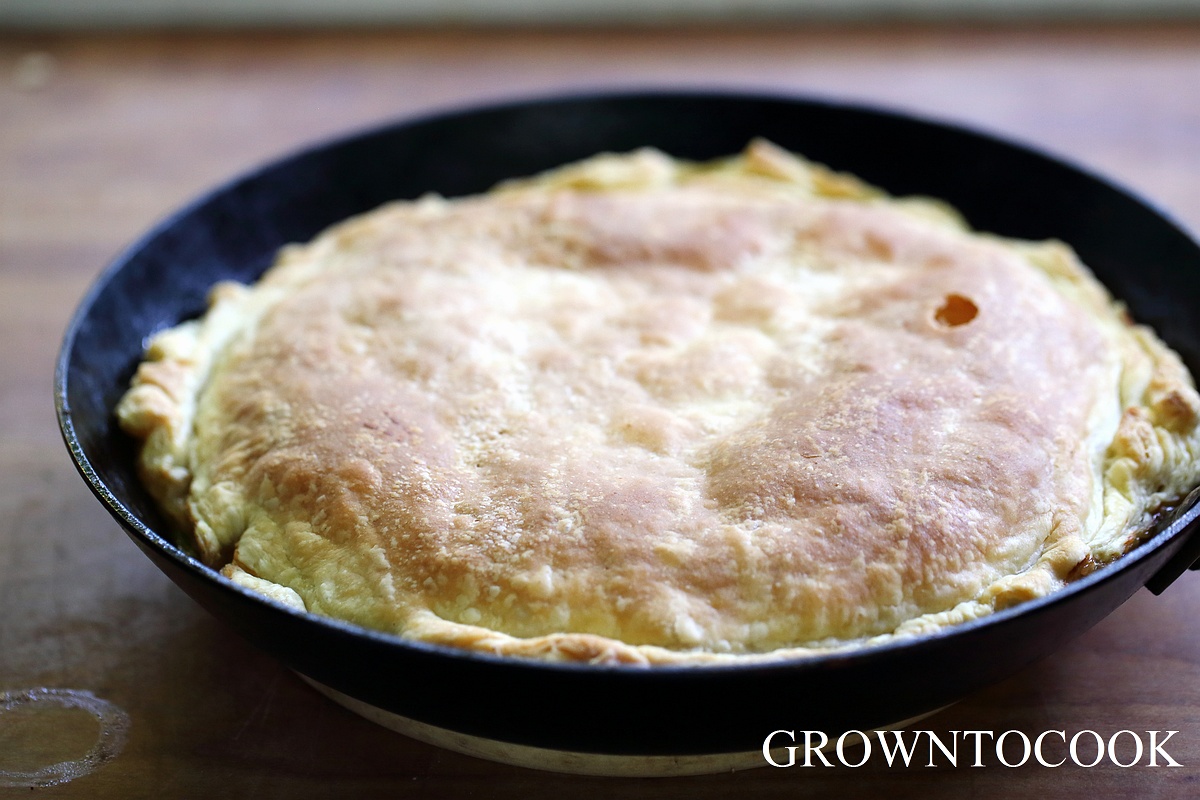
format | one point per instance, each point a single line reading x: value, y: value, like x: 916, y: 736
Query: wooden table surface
x: 100, y: 135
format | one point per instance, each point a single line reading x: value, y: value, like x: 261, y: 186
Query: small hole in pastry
x: 956, y: 310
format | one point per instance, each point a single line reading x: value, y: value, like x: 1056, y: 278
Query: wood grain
x: 101, y: 135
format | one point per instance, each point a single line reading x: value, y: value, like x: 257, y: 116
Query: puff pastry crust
x: 641, y: 410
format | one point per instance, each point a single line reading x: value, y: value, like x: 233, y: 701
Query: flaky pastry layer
x: 643, y: 410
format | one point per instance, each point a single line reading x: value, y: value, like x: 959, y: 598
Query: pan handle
x: 1183, y: 521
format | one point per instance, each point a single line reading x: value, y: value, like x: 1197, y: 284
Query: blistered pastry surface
x: 641, y: 410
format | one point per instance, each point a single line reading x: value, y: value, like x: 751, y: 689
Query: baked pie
x: 649, y: 411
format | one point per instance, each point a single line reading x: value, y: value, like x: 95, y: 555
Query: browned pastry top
x: 643, y: 410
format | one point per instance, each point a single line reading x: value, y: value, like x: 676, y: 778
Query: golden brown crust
x: 638, y: 410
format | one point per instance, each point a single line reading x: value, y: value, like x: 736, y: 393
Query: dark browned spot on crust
x: 956, y: 310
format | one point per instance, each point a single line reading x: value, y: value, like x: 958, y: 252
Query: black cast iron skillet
x: 233, y: 232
